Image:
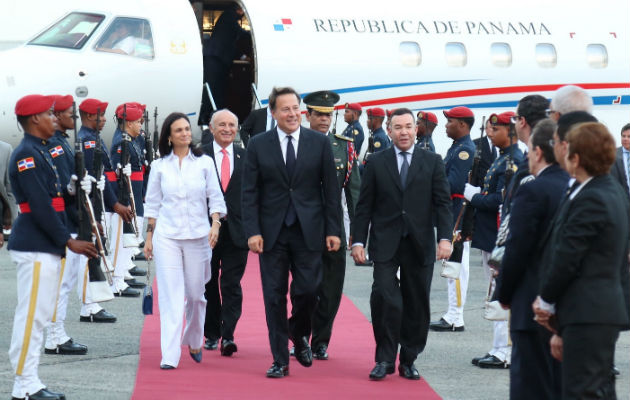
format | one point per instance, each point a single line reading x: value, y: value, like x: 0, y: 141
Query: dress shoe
x: 475, y: 361
x: 211, y: 344
x: 68, y: 347
x: 492, y: 362
x: 408, y: 371
x: 140, y: 257
x: 101, y: 316
x: 128, y: 292
x: 195, y: 356
x: 228, y: 347
x: 380, y: 370
x: 320, y: 352
x: 615, y: 371
x: 303, y: 352
x: 367, y: 263
x: 45, y: 394
x: 137, y: 271
x: 135, y: 283
x: 277, y: 370
x: 166, y: 366
x: 443, y: 326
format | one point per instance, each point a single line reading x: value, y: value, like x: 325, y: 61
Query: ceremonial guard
x: 426, y: 123
x: 378, y: 138
x: 38, y: 242
x: 354, y: 129
x: 319, y: 109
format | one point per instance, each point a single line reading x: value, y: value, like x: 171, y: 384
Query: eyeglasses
x: 549, y: 111
x: 551, y: 142
x: 514, y: 119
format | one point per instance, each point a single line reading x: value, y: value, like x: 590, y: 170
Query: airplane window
x: 410, y: 54
x: 456, y: 54
x: 71, y: 32
x: 501, y: 54
x: 546, y: 56
x: 597, y: 56
x: 128, y: 36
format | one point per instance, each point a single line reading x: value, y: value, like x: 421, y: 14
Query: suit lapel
x: 276, y: 151
x: 302, y: 152
x: 392, y: 166
x: 415, y: 166
x: 238, y: 160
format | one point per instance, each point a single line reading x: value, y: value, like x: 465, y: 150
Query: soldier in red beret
x: 354, y: 129
x: 378, y: 139
x: 426, y: 123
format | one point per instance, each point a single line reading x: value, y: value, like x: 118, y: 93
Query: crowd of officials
x: 545, y: 189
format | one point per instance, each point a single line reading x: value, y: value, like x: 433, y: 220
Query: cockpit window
x: 129, y: 36
x: 72, y: 32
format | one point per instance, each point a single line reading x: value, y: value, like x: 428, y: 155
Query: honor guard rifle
x: 149, y: 154
x: 97, y: 195
x: 85, y: 212
x: 510, y: 167
x: 125, y: 191
x: 370, y: 148
x: 156, y: 135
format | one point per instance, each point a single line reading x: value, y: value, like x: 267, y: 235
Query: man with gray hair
x: 569, y: 98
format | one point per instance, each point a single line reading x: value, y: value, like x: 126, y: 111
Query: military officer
x: 38, y: 240
x: 486, y: 201
x: 380, y: 139
x: 426, y: 123
x: 458, y: 161
x: 354, y: 129
x: 319, y: 109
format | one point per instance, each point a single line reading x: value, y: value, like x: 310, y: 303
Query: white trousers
x: 457, y: 289
x: 119, y: 255
x: 501, y: 345
x: 182, y: 270
x: 37, y: 283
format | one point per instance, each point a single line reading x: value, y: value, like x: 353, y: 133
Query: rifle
x: 370, y: 148
x: 125, y: 190
x: 148, y: 143
x: 334, y: 129
x: 156, y: 135
x: 98, y: 201
x: 509, y: 167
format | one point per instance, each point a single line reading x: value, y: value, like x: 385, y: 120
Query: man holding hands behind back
x: 401, y: 189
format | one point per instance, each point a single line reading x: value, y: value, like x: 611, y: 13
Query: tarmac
x: 108, y: 371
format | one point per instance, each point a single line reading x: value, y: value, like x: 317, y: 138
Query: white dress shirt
x: 183, y: 198
x: 399, y: 158
x: 218, y: 156
x: 282, y: 136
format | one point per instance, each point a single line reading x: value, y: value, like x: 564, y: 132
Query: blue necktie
x: 290, y: 217
x: 404, y: 169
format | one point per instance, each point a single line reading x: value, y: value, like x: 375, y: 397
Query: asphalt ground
x: 108, y: 370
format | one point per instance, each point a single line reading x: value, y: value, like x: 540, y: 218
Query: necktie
x: 225, y: 170
x: 404, y: 169
x: 290, y: 216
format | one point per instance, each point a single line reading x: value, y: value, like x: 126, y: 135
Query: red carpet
x: 242, y: 376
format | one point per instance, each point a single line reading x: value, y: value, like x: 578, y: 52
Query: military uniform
x: 381, y: 140
x: 355, y: 132
x: 426, y: 142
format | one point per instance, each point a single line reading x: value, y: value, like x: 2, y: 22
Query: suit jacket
x: 8, y: 205
x: 533, y: 206
x: 618, y: 171
x: 587, y: 275
x: 313, y: 189
x: 256, y: 122
x: 232, y: 195
x: 390, y: 208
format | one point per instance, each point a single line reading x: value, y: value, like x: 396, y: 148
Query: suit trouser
x: 225, y: 305
x: 182, y: 270
x: 289, y: 253
x: 587, y: 359
x: 457, y: 289
x: 501, y: 347
x: 401, y: 312
x: 37, y: 284
x: 534, y: 373
x: 329, y: 295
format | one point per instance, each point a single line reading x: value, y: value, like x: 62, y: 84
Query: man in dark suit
x: 258, y: 121
x: 534, y: 374
x: 621, y: 168
x: 401, y: 189
x: 229, y: 256
x: 290, y: 213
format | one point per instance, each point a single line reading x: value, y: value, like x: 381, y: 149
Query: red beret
x: 62, y: 103
x: 33, y: 104
x: 353, y: 106
x: 428, y: 116
x: 91, y: 105
x: 501, y: 119
x: 137, y: 105
x: 459, y: 112
x: 389, y: 113
x: 133, y: 113
x: 375, y: 112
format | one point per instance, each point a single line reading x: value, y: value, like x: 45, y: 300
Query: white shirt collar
x: 544, y: 168
x: 576, y: 191
x: 409, y: 151
x: 217, y: 148
x: 172, y: 155
x: 282, y: 134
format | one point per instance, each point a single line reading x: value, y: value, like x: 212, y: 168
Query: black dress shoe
x: 615, y: 371
x: 277, y: 370
x: 303, y: 351
x: 101, y: 316
x: 380, y: 370
x: 45, y: 394
x: 492, y: 362
x: 320, y: 352
x: 475, y: 361
x: 135, y: 284
x: 137, y: 271
x: 166, y: 366
x: 128, y: 292
x: 443, y: 326
x: 211, y: 344
x: 408, y: 371
x: 140, y: 257
x: 68, y: 347
x: 228, y: 347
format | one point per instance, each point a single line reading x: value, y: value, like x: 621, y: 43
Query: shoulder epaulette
x: 349, y: 139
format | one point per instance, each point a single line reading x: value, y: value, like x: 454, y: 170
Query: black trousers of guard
x: 289, y: 254
x: 223, y: 291
x: 329, y: 295
x: 400, y: 310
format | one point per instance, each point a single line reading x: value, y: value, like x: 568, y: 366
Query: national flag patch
x: 282, y: 24
x: 90, y: 144
x: 118, y: 150
x: 25, y: 163
x: 56, y: 151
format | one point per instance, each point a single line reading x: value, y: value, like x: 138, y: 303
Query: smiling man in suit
x: 290, y: 214
x: 401, y: 188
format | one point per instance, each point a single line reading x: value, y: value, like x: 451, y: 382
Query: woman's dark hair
x: 163, y: 144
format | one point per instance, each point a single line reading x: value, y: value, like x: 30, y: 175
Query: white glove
x: 86, y: 184
x: 470, y: 191
x: 100, y: 185
x: 72, y: 186
x: 127, y: 169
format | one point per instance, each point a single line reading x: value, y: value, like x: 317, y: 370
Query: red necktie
x: 225, y: 170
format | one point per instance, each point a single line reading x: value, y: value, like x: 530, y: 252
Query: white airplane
x: 485, y: 55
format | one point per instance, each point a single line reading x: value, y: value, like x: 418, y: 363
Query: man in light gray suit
x: 8, y: 207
